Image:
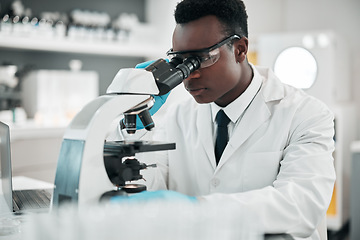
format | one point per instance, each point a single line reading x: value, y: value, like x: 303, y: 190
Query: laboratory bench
x: 31, y: 226
x: 39, y: 226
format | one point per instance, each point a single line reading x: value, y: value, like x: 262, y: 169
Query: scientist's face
x: 227, y: 77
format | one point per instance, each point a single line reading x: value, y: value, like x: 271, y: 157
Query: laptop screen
x: 5, y: 164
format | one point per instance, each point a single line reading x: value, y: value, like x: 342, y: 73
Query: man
x: 278, y: 158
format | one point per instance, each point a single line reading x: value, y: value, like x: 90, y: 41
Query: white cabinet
x: 35, y: 150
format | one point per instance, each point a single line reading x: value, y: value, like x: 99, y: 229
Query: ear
x: 241, y: 49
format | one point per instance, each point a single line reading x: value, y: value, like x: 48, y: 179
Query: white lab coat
x: 278, y: 162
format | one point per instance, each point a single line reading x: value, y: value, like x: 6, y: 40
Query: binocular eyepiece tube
x: 168, y: 75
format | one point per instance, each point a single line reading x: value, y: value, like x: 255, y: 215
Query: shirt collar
x: 237, y: 107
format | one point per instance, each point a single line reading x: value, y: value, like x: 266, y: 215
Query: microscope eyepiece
x: 175, y: 61
x: 189, y: 65
x: 170, y: 74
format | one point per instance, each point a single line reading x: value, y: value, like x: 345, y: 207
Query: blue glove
x: 144, y: 64
x: 161, y: 195
x: 159, y: 100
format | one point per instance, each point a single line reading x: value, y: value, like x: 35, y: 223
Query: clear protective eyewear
x: 208, y: 56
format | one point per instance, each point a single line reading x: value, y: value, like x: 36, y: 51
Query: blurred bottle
x: 6, y: 25
x: 16, y: 20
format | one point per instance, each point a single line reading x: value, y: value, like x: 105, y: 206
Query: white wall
x: 343, y: 17
x: 160, y: 13
x: 265, y: 16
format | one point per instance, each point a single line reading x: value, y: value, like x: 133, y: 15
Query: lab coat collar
x: 273, y: 89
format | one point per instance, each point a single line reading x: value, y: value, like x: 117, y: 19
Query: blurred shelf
x: 126, y: 49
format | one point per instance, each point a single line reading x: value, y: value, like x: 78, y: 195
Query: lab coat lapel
x: 204, y: 126
x: 257, y: 114
x: 253, y: 118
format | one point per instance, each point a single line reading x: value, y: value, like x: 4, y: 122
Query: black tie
x: 221, y: 135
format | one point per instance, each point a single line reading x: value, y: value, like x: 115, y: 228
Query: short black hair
x: 231, y: 13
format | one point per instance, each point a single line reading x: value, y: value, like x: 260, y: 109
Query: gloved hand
x: 159, y: 100
x: 160, y: 195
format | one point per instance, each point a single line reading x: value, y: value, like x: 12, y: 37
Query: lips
x: 196, y: 91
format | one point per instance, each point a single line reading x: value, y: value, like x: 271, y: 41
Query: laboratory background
x: 56, y: 56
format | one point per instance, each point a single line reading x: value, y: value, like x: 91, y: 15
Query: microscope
x: 91, y: 169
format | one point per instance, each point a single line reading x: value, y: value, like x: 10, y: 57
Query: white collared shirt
x: 236, y: 109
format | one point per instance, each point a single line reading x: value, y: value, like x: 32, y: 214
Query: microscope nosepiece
x: 129, y: 123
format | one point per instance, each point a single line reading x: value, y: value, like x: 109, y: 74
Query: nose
x: 195, y: 74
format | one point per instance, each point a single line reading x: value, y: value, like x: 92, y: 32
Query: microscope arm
x: 80, y: 174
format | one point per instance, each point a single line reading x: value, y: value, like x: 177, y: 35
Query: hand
x: 159, y: 100
x: 161, y: 195
x: 144, y: 64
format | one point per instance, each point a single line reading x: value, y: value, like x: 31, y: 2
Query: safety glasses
x: 208, y: 56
